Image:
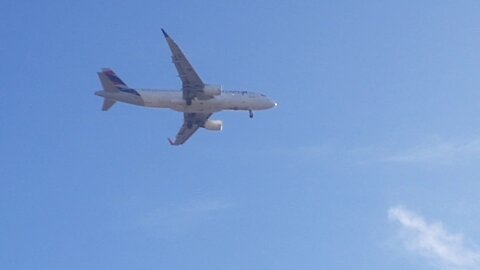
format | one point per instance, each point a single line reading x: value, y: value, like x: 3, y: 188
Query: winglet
x: 171, y: 142
x: 165, y: 33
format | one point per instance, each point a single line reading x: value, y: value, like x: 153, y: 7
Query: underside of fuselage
x: 174, y: 100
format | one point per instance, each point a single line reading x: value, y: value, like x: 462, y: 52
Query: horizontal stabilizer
x: 107, y: 104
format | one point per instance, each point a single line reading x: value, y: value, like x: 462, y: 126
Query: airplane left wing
x: 191, y: 122
x: 192, y: 85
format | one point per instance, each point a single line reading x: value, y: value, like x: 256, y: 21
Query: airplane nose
x: 266, y: 103
x: 273, y: 103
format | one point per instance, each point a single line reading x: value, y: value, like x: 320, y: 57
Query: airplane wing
x: 191, y: 122
x: 192, y: 85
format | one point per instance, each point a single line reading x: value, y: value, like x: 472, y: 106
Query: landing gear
x: 189, y: 101
x: 250, y: 113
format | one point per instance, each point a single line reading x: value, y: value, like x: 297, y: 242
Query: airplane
x: 197, y: 100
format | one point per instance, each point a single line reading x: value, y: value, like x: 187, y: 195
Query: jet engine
x: 215, y: 125
x: 212, y: 90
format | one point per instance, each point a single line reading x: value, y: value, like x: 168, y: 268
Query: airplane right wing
x: 192, y: 85
x: 191, y: 123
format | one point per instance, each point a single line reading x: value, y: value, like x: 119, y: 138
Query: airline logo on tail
x: 114, y: 78
x: 112, y: 83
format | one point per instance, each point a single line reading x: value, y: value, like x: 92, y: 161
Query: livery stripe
x: 114, y: 78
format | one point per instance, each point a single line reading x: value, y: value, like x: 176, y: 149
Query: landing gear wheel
x: 189, y: 101
x: 250, y: 113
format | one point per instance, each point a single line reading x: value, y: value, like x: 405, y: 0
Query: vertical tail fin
x: 110, y: 83
x: 112, y: 77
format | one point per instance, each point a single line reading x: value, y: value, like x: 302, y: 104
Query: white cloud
x: 171, y: 221
x: 433, y: 242
x: 438, y: 151
x: 432, y: 151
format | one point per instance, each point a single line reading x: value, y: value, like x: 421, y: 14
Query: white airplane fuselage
x: 173, y: 99
x: 197, y: 100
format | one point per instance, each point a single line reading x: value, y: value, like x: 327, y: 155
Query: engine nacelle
x: 215, y: 125
x: 212, y: 90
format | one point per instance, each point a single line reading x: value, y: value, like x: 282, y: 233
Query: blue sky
x: 370, y: 161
